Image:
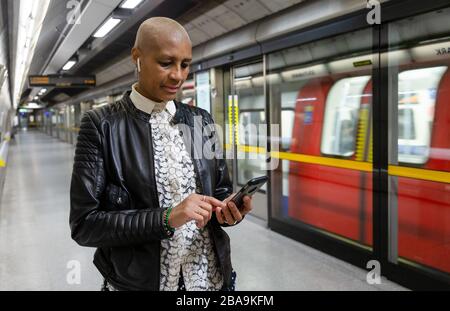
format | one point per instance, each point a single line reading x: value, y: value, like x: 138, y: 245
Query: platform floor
x: 37, y: 253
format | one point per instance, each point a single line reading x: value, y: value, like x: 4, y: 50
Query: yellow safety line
x: 251, y: 149
x: 348, y: 164
x: 418, y: 173
x: 2, y: 163
x: 415, y: 173
x: 248, y: 149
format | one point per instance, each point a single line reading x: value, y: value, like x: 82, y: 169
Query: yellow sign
x: 230, y: 118
x: 236, y: 119
x: 233, y: 119
x: 362, y: 63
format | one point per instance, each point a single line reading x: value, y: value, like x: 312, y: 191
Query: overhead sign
x: 62, y: 81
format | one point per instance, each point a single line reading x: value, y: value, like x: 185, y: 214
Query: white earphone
x: 138, y: 65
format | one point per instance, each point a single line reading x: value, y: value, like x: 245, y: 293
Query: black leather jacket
x: 113, y: 197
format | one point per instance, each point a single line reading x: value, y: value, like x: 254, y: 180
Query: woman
x: 141, y: 191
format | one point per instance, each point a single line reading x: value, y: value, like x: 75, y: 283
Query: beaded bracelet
x: 166, y: 220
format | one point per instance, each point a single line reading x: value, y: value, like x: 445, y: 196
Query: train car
x: 332, y: 121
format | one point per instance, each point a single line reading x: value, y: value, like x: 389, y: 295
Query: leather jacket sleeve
x: 90, y: 224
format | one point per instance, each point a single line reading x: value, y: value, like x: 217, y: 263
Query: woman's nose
x: 176, y: 73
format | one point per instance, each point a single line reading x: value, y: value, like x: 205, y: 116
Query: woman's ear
x: 135, y: 57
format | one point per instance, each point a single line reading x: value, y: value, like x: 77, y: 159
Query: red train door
x: 332, y: 122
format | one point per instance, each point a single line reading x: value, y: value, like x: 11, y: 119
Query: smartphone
x: 249, y: 189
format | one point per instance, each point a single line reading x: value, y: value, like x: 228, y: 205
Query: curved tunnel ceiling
x: 108, y: 57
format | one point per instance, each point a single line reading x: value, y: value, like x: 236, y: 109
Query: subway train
x: 324, y: 109
x: 316, y: 194
x: 326, y: 115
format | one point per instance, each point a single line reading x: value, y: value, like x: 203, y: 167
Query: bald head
x: 162, y: 54
x: 155, y: 29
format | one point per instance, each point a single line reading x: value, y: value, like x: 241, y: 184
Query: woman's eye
x: 185, y: 65
x: 165, y: 64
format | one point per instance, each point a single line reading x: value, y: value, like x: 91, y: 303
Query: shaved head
x: 162, y: 54
x: 155, y: 29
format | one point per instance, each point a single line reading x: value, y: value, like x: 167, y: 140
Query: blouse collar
x: 147, y: 105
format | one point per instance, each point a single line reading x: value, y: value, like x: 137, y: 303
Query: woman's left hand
x: 231, y: 214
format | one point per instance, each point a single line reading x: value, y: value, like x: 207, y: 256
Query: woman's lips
x: 171, y: 89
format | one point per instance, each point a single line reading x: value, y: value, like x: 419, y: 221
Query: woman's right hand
x: 196, y: 207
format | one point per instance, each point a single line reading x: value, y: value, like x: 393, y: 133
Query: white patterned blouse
x: 190, y: 250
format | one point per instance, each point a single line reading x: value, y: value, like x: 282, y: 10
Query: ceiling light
x: 69, y: 64
x: 32, y: 106
x: 106, y: 27
x: 130, y: 4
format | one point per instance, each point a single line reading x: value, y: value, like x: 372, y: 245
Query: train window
x: 416, y: 101
x: 288, y: 102
x: 287, y: 125
x: 341, y: 116
x: 406, y: 125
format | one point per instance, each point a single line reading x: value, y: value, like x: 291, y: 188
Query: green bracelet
x: 166, y: 220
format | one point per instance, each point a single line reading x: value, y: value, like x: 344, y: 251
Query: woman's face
x: 164, y: 67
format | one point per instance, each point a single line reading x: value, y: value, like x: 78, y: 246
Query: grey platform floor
x: 37, y: 253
